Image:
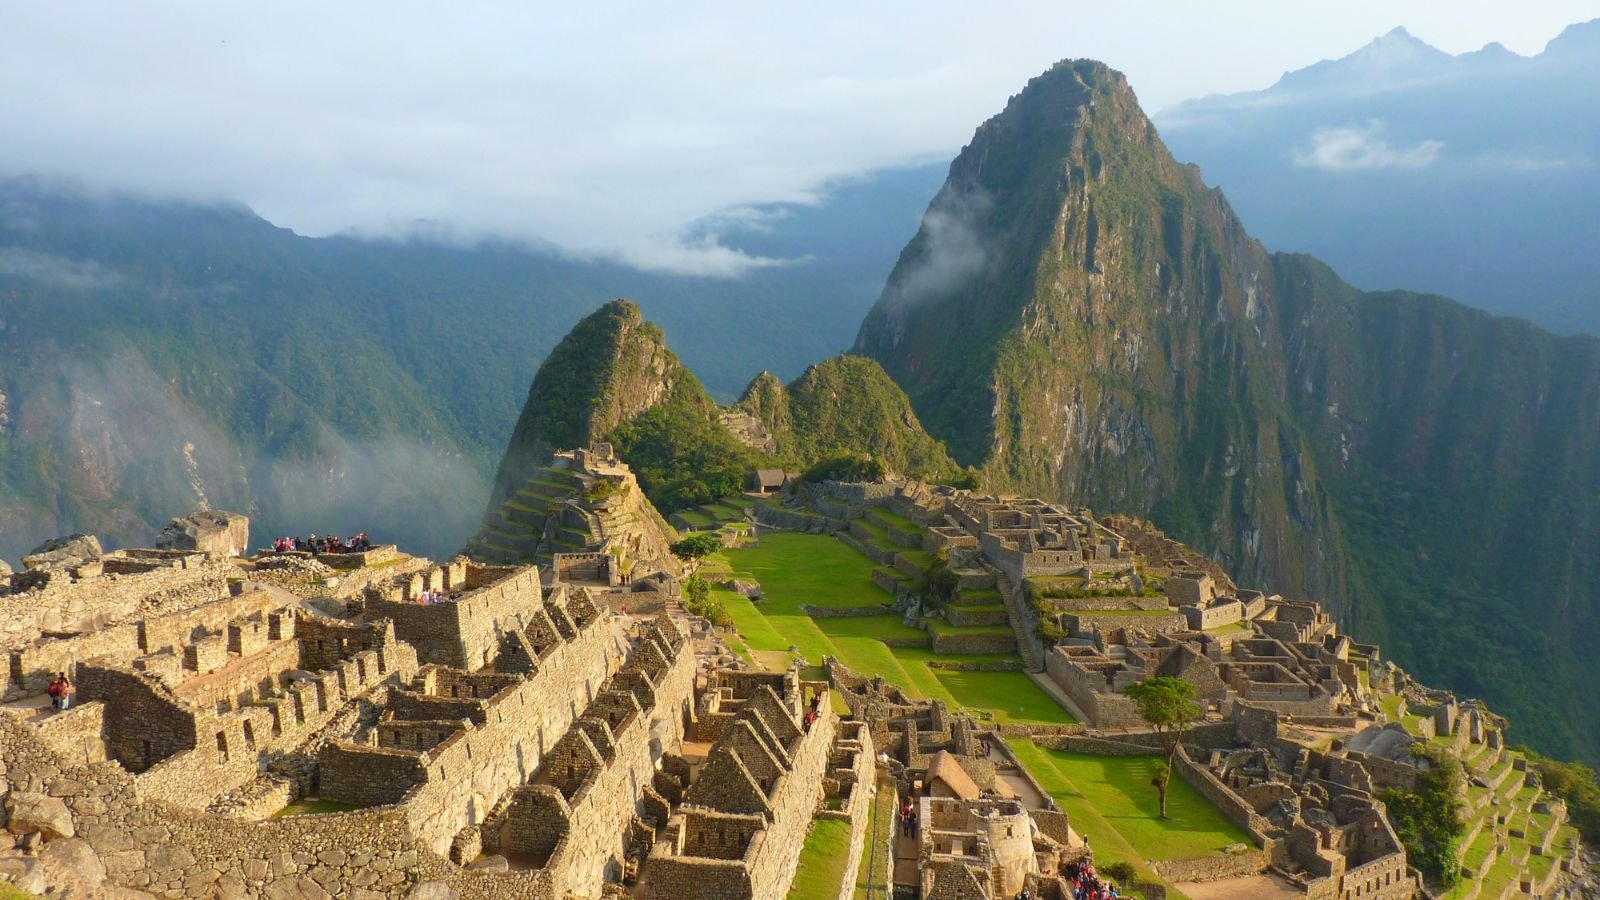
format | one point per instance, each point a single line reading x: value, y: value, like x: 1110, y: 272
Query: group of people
x: 908, y: 819
x: 331, y: 543
x: 428, y: 598
x: 813, y: 712
x: 1085, y: 884
x: 61, y: 691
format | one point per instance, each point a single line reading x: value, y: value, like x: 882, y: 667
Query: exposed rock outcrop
x: 210, y: 531
x: 64, y: 552
x: 29, y: 812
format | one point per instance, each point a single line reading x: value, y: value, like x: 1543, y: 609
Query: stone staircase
x: 1025, y: 641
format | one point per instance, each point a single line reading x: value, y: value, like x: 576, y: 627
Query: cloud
x: 1348, y: 149
x: 951, y: 248
x: 605, y: 130
x: 400, y: 490
x: 47, y: 268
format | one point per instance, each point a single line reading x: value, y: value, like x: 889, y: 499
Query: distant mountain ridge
x: 156, y: 355
x: 1085, y: 319
x: 1473, y: 175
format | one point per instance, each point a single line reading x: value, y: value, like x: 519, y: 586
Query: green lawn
x: 822, y: 861
x: 895, y: 519
x: 796, y: 570
x: 1110, y: 798
x: 877, y: 858
x: 1011, y: 695
x: 697, y: 519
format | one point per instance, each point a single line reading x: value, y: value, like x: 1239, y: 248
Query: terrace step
x: 1008, y: 592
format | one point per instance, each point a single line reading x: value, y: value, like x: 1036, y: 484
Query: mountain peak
x: 610, y: 367
x: 1395, y: 55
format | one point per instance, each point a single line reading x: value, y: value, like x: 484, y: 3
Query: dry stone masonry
x: 373, y: 725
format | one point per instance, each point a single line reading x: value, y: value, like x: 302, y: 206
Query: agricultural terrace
x: 798, y: 570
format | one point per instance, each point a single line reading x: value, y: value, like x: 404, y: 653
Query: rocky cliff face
x: 1083, y: 317
x: 610, y: 367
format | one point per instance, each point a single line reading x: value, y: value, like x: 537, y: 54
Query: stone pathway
x: 32, y: 709
x: 1030, y: 660
x: 905, y: 857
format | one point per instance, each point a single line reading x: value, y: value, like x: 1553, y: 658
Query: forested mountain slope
x: 1081, y: 316
x: 154, y: 356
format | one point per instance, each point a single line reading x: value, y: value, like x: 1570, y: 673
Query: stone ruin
x: 461, y: 729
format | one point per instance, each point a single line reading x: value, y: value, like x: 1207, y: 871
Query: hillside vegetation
x: 155, y: 355
x: 612, y: 378
x: 1084, y: 319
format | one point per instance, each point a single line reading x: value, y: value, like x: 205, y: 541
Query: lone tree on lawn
x: 1167, y: 703
x: 692, y: 548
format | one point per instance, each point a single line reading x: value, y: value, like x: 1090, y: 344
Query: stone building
x: 1295, y: 662
x: 743, y: 819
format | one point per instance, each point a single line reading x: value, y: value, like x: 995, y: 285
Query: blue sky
x: 605, y: 132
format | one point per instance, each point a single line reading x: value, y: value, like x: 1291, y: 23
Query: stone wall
x: 1224, y: 799
x: 1223, y: 613
x: 1103, y: 709
x: 78, y: 734
x: 186, y: 600
x: 463, y: 777
x: 177, y: 852
x: 591, y: 822
x: 210, y: 734
x: 463, y: 633
x: 856, y: 740
x: 1084, y: 622
x: 778, y: 517
x: 93, y: 602
x: 747, y: 843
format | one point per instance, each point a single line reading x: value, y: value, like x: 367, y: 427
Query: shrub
x: 847, y: 465
x: 1576, y: 784
x: 1429, y: 821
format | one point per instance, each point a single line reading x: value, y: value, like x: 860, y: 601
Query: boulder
x: 67, y: 552
x: 38, y: 812
x: 209, y: 531
x: 75, y: 857
x: 25, y: 873
x: 432, y: 890
x: 743, y: 587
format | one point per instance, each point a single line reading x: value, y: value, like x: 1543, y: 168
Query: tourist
x: 60, y: 691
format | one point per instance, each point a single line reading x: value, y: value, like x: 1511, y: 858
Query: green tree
x: 1167, y: 704
x: 696, y: 546
x: 1429, y: 821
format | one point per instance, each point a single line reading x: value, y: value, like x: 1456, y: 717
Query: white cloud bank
x: 604, y: 129
x: 1364, y: 147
